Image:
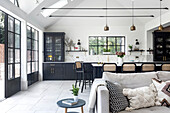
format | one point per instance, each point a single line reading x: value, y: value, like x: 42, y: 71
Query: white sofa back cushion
x: 164, y: 75
x: 130, y: 80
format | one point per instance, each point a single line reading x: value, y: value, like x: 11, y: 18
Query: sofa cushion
x: 155, y: 109
x: 164, y: 75
x: 163, y: 89
x: 130, y: 80
x: 117, y: 100
x: 140, y: 97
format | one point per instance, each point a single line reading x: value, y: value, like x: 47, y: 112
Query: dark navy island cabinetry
x: 59, y: 71
x: 62, y: 70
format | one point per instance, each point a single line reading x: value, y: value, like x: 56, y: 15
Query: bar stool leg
x: 65, y: 110
x: 83, y: 84
x: 82, y: 110
x: 76, y: 80
x: 80, y: 79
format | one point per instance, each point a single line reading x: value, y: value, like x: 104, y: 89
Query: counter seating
x: 82, y: 74
x: 148, y: 67
x: 165, y: 67
x: 79, y: 72
x: 129, y: 68
x: 110, y: 67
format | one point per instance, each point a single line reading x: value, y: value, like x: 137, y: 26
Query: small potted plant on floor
x: 75, y: 92
x: 106, y: 51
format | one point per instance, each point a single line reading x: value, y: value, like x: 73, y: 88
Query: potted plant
x: 75, y: 92
x: 106, y: 51
x: 130, y: 47
x: 120, y: 56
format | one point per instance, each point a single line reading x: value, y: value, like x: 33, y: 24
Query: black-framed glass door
x: 13, y: 55
x: 32, y: 55
x: 2, y: 55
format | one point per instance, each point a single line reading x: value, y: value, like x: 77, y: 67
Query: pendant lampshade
x: 106, y: 28
x: 132, y: 28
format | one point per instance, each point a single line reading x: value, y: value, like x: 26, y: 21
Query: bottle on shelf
x: 78, y: 45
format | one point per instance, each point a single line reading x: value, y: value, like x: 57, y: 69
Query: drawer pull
x: 52, y: 64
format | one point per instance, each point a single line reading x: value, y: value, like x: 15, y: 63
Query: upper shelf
x: 76, y: 50
x: 136, y: 51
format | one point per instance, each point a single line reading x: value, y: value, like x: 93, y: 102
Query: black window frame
x: 107, y: 45
x: 32, y: 50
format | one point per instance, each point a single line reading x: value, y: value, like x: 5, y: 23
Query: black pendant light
x: 106, y: 28
x: 133, y: 28
x: 160, y: 28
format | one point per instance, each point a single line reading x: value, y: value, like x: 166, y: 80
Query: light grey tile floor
x: 41, y: 97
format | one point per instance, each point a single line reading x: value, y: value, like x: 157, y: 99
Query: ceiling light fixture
x: 106, y: 28
x: 160, y: 28
x: 133, y: 28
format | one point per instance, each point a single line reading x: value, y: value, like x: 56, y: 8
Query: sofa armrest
x: 102, y: 100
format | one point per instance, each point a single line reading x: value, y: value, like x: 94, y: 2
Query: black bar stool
x: 165, y: 67
x: 148, y: 67
x: 110, y: 67
x: 128, y: 67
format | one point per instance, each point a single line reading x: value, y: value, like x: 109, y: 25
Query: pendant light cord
x: 160, y: 11
x: 106, y: 12
x: 132, y: 12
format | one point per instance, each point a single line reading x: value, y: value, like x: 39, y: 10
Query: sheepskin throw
x: 140, y: 97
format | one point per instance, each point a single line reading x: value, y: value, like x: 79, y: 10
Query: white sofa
x: 132, y: 80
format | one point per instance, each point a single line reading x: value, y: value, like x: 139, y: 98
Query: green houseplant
x: 106, y: 51
x: 130, y: 47
x: 75, y: 92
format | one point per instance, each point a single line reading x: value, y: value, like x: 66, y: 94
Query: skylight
x: 58, y: 4
x: 15, y: 2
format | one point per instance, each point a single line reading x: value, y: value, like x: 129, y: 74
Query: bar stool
x: 148, y: 67
x: 79, y: 72
x: 110, y: 67
x: 165, y: 67
x: 128, y: 67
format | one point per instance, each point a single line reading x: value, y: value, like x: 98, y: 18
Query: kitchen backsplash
x: 82, y: 56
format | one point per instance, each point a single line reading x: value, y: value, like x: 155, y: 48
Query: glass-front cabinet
x: 54, y: 47
x: 161, y: 46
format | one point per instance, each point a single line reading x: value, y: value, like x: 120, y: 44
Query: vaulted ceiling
x: 33, y: 8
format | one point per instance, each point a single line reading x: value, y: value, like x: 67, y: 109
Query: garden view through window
x: 100, y: 44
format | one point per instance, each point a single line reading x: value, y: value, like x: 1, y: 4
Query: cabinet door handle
x: 165, y: 58
x: 73, y: 66
x: 51, y: 70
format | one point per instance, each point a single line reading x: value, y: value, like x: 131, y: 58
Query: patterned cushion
x: 140, y: 97
x: 163, y: 90
x: 117, y: 100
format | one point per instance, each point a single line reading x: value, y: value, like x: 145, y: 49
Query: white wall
x: 77, y: 28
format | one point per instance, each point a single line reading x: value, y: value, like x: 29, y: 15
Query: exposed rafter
x: 140, y: 16
x: 165, y: 8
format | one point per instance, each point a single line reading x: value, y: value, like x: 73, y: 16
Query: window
x: 97, y: 44
x: 32, y: 50
x: 14, y: 47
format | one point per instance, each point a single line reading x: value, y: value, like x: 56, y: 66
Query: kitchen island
x: 66, y: 70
